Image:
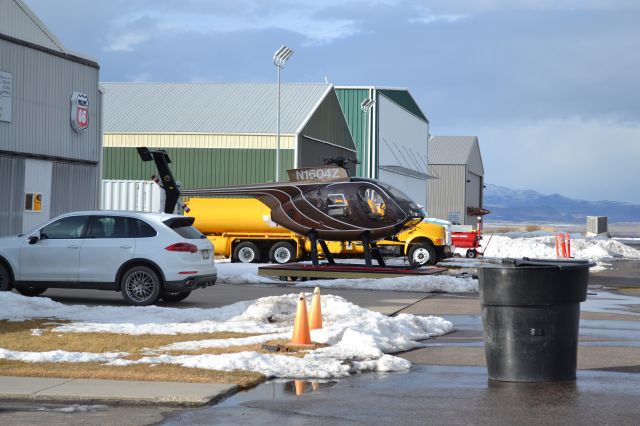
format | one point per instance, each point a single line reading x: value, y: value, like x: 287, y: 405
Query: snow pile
x: 425, y: 283
x: 247, y: 273
x: 358, y: 339
x: 543, y: 247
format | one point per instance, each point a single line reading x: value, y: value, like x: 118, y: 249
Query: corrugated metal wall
x: 42, y: 87
x: 73, y: 187
x: 447, y: 193
x: 200, y: 168
x: 16, y: 23
x: 328, y: 124
x: 11, y: 201
x: 191, y: 140
x: 350, y: 101
x: 313, y: 153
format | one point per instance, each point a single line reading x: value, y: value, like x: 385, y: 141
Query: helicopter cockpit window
x: 373, y: 203
x: 337, y: 205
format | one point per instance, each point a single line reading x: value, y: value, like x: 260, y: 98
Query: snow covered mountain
x: 516, y: 205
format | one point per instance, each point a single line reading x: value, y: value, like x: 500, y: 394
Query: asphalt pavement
x: 448, y: 383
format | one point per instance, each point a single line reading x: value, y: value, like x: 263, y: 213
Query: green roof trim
x: 404, y: 99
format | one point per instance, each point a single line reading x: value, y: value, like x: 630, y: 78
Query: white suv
x: 145, y: 255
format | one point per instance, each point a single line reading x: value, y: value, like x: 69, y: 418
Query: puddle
x: 610, y: 303
x: 277, y: 389
x: 50, y: 408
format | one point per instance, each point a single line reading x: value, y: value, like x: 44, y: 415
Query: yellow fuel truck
x: 242, y: 229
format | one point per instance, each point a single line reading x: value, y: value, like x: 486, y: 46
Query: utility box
x: 132, y: 195
x: 597, y: 225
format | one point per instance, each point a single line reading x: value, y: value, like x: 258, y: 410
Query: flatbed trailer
x: 304, y: 271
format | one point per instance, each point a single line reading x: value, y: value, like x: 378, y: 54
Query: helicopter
x: 322, y: 203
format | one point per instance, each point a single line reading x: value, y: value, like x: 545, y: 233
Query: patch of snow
x: 358, y: 339
x: 223, y: 343
x: 425, y: 283
x: 59, y: 356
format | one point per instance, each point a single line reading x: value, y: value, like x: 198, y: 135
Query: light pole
x: 366, y: 106
x: 279, y: 59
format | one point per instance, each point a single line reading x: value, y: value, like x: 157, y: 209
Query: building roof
x: 209, y: 107
x: 18, y: 22
x: 399, y: 95
x: 451, y: 149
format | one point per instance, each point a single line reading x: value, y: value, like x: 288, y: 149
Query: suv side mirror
x: 33, y: 239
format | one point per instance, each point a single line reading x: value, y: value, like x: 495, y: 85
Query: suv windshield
x: 182, y: 226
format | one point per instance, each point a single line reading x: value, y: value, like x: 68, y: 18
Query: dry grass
x: 144, y: 372
x: 17, y: 336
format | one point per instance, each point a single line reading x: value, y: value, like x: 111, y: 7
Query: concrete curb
x: 113, y: 392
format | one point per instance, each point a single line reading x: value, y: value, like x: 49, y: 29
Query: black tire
x: 140, y: 286
x: 422, y: 254
x: 246, y: 252
x: 471, y: 253
x: 174, y: 297
x: 6, y: 283
x: 282, y: 253
x: 31, y: 291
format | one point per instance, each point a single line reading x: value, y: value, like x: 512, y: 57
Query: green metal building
x: 391, y: 136
x: 220, y: 134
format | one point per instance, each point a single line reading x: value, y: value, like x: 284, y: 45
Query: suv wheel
x: 31, y: 291
x: 140, y: 286
x: 174, y: 297
x: 5, y: 279
x: 247, y: 252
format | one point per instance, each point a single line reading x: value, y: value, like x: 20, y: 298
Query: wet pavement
x: 432, y: 395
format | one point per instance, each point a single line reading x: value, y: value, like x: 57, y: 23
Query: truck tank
x: 228, y: 215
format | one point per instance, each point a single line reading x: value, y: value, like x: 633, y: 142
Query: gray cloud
x: 528, y: 77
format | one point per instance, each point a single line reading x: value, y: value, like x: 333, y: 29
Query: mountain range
x: 515, y: 205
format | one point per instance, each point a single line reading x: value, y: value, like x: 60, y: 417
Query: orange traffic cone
x: 568, y: 243
x: 301, y: 335
x: 315, y: 314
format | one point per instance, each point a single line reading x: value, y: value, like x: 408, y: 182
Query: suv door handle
x: 73, y: 246
x: 125, y: 247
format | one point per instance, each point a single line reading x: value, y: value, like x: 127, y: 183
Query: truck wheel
x: 5, y: 278
x: 282, y: 252
x: 471, y: 253
x: 247, y: 252
x: 422, y: 254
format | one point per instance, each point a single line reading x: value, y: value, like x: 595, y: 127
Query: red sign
x: 79, y: 111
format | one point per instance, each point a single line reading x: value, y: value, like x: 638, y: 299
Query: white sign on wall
x: 6, y: 93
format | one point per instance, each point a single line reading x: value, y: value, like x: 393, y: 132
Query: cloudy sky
x: 551, y: 87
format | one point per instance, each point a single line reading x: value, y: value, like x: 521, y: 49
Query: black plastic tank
x: 530, y: 318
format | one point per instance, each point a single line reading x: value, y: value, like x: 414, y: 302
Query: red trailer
x: 464, y: 236
x: 469, y: 240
